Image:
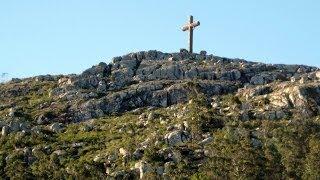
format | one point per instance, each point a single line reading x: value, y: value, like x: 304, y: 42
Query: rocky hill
x: 164, y: 115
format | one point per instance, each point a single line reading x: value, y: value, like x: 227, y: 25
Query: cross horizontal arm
x: 195, y: 24
x: 192, y: 25
x: 185, y: 28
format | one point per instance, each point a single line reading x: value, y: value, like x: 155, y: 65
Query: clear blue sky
x: 68, y: 36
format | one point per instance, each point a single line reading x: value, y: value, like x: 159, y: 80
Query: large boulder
x: 177, y: 137
x: 102, y: 70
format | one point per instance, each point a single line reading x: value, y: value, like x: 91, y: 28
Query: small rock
x: 102, y: 87
x: 184, y: 51
x: 42, y: 119
x: 138, y: 153
x: 59, y: 152
x: 2, y: 124
x: 143, y: 168
x: 256, y: 143
x: 206, y: 141
x: 303, y: 80
x: 151, y: 116
x: 5, y: 130
x: 12, y: 112
x: 16, y: 80
x: 137, y: 111
x: 203, y: 53
x: 76, y: 145
x: 24, y: 127
x: 301, y: 70
x: 142, y: 117
x: 181, y: 127
x: 116, y: 59
x: 214, y: 105
x: 236, y: 74
x: 56, y: 127
x: 172, y: 59
x: 98, y: 158
x: 257, y: 80
x: 170, y: 128
x: 27, y: 151
x: 119, y: 174
x: 36, y: 129
x: 14, y: 126
x: 160, y: 170
x: 176, y: 156
x: 123, y: 152
x: 86, y: 128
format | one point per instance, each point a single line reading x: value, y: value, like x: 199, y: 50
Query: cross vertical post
x: 191, y: 35
x: 189, y: 27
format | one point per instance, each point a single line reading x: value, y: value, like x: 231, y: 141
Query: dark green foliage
x: 312, y: 162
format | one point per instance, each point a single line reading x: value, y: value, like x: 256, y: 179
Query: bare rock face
x: 149, y: 78
x: 153, y: 78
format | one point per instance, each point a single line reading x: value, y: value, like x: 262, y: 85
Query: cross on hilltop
x: 189, y: 27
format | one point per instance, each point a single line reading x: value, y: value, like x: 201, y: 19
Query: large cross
x: 189, y: 27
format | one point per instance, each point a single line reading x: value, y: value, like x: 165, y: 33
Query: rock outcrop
x: 150, y: 115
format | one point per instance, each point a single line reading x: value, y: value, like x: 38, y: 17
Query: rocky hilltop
x: 162, y: 115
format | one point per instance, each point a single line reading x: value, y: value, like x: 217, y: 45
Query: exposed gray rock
x: 24, y: 127
x: 56, y: 127
x: 12, y: 112
x: 99, y: 158
x: 160, y: 170
x: 256, y: 143
x: 303, y: 80
x: 102, y: 70
x: 59, y: 152
x: 177, y: 138
x: 206, y: 141
x: 2, y: 124
x: 123, y: 152
x: 14, y: 126
x: 44, y: 78
x: 147, y: 78
x: 102, y: 87
x: 16, y: 80
x: 43, y: 119
x: 143, y: 168
x: 5, y: 130
x: 87, y: 128
x: 257, y: 80
x: 151, y: 116
x: 138, y: 153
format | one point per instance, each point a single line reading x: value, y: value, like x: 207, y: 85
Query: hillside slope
x: 162, y: 115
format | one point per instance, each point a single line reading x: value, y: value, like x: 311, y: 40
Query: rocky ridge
x: 153, y: 78
x: 162, y: 88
